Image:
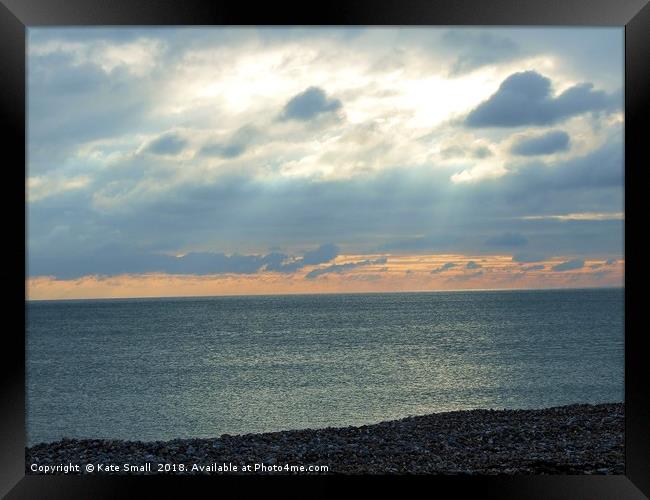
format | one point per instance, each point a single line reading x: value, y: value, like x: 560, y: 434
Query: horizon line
x: 331, y: 293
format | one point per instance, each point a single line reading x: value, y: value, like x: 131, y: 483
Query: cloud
x: 323, y: 253
x: 309, y: 104
x: 341, y: 268
x: 543, y: 144
x: 114, y: 260
x: 367, y: 277
x: 528, y: 257
x: 167, y: 144
x: 481, y: 152
x: 600, y: 274
x: 569, y: 265
x: 472, y: 265
x: 536, y: 267
x: 465, y: 277
x: 507, y: 240
x: 212, y: 263
x: 86, y: 119
x: 235, y: 147
x: 478, y: 49
x: 584, y: 216
x: 443, y: 268
x: 608, y: 262
x: 387, y: 211
x: 525, y: 99
x: 232, y: 150
x: 478, y: 152
x: 70, y: 104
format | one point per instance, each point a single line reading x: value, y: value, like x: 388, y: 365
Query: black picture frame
x: 17, y: 15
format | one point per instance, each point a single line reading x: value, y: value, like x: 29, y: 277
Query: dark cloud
x: 214, y: 263
x: 341, y: 268
x: 478, y: 49
x: 443, y: 268
x: 375, y: 213
x: 609, y: 262
x: 473, y: 265
x: 544, y: 144
x: 584, y: 175
x: 309, y: 104
x: 323, y: 253
x: 525, y: 99
x: 523, y: 258
x: 113, y: 260
x: 201, y: 263
x: 167, y: 144
x: 569, y: 265
x: 536, y: 267
x: 236, y: 146
x: 507, y: 240
x: 71, y: 103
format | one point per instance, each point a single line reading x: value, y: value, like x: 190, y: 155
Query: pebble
x: 573, y: 439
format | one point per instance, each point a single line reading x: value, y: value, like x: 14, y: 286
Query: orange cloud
x: 398, y: 273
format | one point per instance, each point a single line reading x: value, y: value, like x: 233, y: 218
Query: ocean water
x: 156, y: 369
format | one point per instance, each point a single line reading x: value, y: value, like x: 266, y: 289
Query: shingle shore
x: 574, y: 439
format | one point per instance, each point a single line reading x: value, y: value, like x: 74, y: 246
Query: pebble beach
x: 574, y: 439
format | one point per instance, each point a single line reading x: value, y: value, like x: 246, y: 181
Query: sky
x: 214, y: 161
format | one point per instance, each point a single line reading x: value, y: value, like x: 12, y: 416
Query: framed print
x: 369, y: 242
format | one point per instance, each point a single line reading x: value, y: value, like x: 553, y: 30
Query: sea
x: 166, y: 368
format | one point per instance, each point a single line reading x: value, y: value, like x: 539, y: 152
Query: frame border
x: 17, y: 15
